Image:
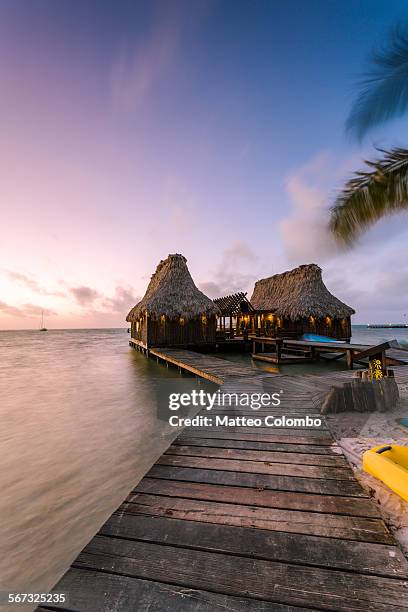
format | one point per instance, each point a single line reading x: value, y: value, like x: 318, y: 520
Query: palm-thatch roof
x: 172, y: 292
x: 297, y: 294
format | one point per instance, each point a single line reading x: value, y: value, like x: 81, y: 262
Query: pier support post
x: 278, y: 350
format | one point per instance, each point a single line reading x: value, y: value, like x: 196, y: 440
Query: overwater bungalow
x: 298, y: 302
x: 173, y: 311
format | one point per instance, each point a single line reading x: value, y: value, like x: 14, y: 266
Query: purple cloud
x: 85, y: 296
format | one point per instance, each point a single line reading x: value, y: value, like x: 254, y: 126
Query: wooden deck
x: 282, y: 359
x: 312, y: 350
x: 252, y: 519
x: 211, y: 368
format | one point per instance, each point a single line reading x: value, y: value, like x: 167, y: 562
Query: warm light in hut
x: 204, y: 320
x: 163, y: 319
x: 181, y: 321
x: 328, y: 320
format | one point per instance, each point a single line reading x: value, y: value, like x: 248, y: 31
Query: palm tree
x: 382, y: 188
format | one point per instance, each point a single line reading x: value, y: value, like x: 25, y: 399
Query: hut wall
x: 268, y: 324
x: 168, y: 332
x: 139, y: 330
x: 333, y: 328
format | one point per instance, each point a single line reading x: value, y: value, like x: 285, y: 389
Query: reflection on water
x: 78, y: 431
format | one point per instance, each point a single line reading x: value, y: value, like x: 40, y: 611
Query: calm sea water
x: 364, y: 335
x: 78, y: 431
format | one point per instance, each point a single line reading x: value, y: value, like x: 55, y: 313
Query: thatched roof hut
x: 300, y: 297
x: 172, y: 292
x: 177, y: 311
x: 298, y: 294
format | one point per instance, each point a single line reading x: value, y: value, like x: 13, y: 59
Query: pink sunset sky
x: 133, y: 130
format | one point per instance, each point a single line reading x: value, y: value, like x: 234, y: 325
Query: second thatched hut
x: 298, y: 302
x: 173, y: 312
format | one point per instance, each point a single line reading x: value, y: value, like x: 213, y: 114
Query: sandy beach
x: 357, y: 432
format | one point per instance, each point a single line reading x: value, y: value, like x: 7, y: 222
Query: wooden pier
x: 204, y: 366
x: 255, y: 519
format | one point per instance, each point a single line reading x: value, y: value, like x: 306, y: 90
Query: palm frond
x: 384, y: 89
x: 371, y: 194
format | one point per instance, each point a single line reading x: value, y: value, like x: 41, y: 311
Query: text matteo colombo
x: 244, y: 421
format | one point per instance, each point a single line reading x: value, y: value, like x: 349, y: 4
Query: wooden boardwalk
x: 253, y: 519
x: 205, y: 366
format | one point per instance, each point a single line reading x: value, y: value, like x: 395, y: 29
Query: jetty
x: 244, y: 518
x: 205, y: 366
x: 387, y: 325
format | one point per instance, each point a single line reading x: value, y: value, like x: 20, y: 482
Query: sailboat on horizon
x: 42, y: 328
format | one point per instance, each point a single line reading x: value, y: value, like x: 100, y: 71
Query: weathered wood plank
x: 94, y: 591
x: 205, y: 366
x: 291, y: 521
x: 297, y: 432
x: 360, y: 557
x: 257, y: 467
x: 331, y: 504
x: 260, y: 481
x: 258, y: 455
x: 240, y: 576
x: 333, y: 450
x: 227, y: 434
x: 232, y: 426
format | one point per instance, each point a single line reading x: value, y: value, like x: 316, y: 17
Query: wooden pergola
x: 234, y: 306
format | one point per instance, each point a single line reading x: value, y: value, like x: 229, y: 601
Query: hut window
x: 204, y: 320
x: 328, y: 321
x: 137, y: 326
x: 181, y: 321
x: 163, y: 319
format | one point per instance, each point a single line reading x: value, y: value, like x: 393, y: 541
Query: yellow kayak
x: 389, y: 463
